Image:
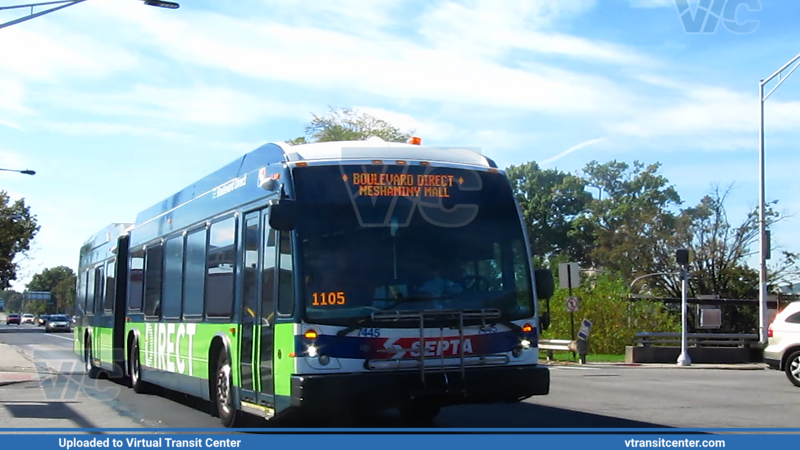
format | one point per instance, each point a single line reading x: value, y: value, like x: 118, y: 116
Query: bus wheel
x: 92, y: 371
x: 223, y: 391
x: 139, y: 386
x: 420, y: 410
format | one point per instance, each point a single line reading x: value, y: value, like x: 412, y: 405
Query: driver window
x: 483, y: 274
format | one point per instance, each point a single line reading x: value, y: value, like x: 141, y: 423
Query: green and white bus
x: 328, y: 279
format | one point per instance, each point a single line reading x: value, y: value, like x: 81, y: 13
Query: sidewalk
x: 15, y: 368
x: 39, y: 396
x: 743, y: 366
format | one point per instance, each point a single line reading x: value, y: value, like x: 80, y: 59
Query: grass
x: 566, y: 356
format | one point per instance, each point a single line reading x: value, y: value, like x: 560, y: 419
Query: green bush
x: 615, y: 320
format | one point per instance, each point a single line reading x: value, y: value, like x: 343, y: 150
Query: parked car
x: 12, y: 318
x: 28, y: 318
x: 783, y: 351
x: 42, y: 320
x: 58, y: 322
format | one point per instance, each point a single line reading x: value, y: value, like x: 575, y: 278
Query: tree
x: 550, y: 200
x: 615, y: 319
x: 48, y: 279
x: 348, y: 125
x: 13, y: 300
x: 64, y: 293
x: 633, y: 226
x: 17, y: 229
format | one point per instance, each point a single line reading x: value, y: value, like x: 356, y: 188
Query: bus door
x: 256, y: 337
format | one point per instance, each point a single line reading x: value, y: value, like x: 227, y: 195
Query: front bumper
x: 385, y: 390
x: 773, y: 363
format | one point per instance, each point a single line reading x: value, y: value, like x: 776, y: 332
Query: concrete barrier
x: 698, y: 355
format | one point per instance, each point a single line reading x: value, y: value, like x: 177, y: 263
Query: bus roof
x: 370, y: 149
x: 100, y: 245
x: 377, y: 148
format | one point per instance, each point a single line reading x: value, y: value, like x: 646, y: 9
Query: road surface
x: 592, y: 396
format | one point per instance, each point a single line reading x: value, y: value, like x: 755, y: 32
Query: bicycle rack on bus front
x: 439, y: 316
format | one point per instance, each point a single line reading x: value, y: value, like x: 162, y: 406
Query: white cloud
x: 312, y: 57
x: 9, y: 124
x: 483, y: 28
x: 12, y: 97
x: 12, y: 160
x: 427, y: 129
x: 51, y: 54
x: 572, y: 149
x: 708, y: 111
x: 199, y: 105
x: 654, y: 3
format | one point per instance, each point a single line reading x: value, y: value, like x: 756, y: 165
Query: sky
x: 117, y: 105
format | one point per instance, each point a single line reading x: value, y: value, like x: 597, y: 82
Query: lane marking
x: 574, y: 368
x: 71, y: 339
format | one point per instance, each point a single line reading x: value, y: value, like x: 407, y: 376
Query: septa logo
x: 409, y: 347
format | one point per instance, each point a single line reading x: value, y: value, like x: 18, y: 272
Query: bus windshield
x: 389, y: 238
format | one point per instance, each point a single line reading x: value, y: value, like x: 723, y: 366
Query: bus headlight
x: 526, y: 344
x: 312, y: 351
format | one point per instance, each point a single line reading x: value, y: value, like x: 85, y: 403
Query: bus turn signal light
x: 527, y: 328
x: 310, y: 334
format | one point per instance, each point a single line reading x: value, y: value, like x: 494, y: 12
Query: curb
x: 7, y: 378
x: 749, y: 366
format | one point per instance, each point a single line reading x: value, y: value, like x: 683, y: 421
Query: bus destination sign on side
x: 402, y: 185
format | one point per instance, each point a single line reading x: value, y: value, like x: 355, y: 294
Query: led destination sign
x: 402, y: 184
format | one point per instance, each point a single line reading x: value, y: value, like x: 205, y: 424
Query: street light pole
x: 24, y: 172
x: 762, y: 223
x: 682, y: 257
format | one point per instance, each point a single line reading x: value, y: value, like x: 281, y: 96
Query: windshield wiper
x: 412, y: 299
x: 398, y: 301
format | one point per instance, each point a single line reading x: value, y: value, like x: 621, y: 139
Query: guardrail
x: 579, y: 346
x: 646, y: 339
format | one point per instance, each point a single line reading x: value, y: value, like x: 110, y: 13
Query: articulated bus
x: 328, y: 278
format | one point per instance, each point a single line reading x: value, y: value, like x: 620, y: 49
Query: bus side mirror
x: 545, y: 288
x: 545, y: 284
x: 282, y: 215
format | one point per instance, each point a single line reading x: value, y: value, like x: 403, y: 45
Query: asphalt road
x: 580, y: 397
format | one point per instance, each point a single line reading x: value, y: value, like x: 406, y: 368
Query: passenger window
x: 173, y: 277
x: 111, y: 286
x: 136, y: 280
x: 268, y: 277
x: 285, y: 276
x: 194, y: 281
x: 221, y: 258
x: 152, y: 280
x: 99, y: 282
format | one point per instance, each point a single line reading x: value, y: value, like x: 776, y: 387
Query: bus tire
x: 223, y: 391
x: 139, y: 386
x: 92, y: 371
x: 420, y: 410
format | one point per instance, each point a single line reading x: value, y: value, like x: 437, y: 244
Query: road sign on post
x: 573, y: 304
x: 569, y: 275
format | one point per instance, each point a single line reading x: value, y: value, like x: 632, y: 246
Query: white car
x: 783, y: 351
x: 28, y: 318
